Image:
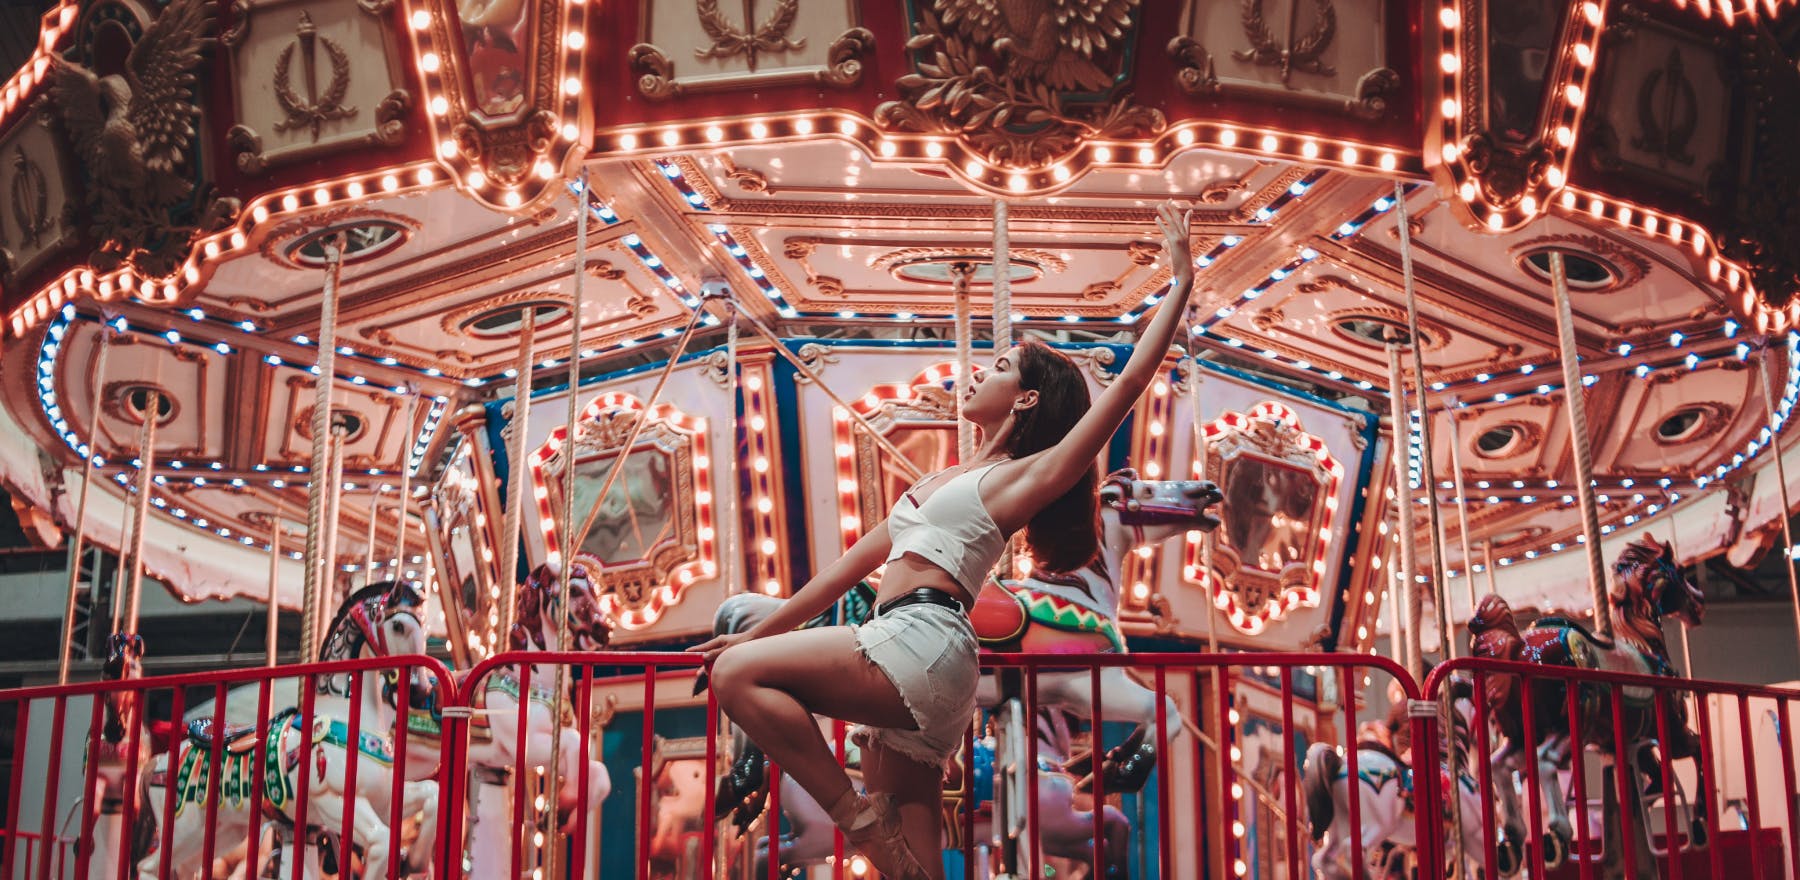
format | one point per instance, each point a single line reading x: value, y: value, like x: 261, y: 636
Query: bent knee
x: 733, y: 671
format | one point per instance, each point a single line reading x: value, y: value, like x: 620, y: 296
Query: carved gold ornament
x: 315, y: 111
x: 131, y: 132
x: 30, y: 198
x: 1303, y: 53
x: 770, y: 36
x: 1668, y: 112
x: 1014, y: 79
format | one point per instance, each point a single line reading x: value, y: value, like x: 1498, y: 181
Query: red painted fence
x: 1230, y: 734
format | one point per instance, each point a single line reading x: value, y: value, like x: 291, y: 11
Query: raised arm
x: 1058, y: 467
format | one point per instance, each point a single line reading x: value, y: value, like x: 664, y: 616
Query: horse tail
x: 1323, y: 764
x: 144, y: 829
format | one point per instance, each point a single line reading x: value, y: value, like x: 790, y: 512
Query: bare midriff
x: 912, y: 572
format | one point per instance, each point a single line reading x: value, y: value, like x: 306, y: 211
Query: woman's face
x: 993, y: 392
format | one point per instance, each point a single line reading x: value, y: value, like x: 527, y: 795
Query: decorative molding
x: 1628, y: 265
x: 390, y: 119
x: 771, y: 36
x: 1028, y: 104
x: 30, y: 193
x: 657, y: 80
x: 816, y: 356
x: 1303, y: 53
x: 316, y: 109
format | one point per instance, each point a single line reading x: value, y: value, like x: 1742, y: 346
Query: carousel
x: 514, y: 348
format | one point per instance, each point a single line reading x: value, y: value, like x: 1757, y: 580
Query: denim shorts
x: 928, y: 652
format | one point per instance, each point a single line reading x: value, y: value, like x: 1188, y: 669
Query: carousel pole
x: 1487, y: 565
x: 1787, y: 507
x: 141, y: 512
x: 1427, y: 468
x: 734, y: 536
x: 1003, y: 338
x: 412, y: 403
x: 273, y: 612
x: 333, y: 517
x: 516, y: 474
x: 1462, y: 505
x: 369, y: 539
x: 1577, y: 406
x: 1404, y: 527
x: 572, y: 416
x: 965, y: 432
x: 316, y: 491
x: 77, y: 542
x: 1428, y: 480
x: 1206, y: 539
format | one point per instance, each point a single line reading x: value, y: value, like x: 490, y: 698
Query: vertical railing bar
x: 215, y: 767
x: 178, y: 703
x: 644, y: 782
x: 402, y: 706
x: 1165, y: 761
x: 1577, y: 758
x: 1534, y: 795
x: 129, y: 807
x: 584, y: 726
x: 1484, y: 769
x: 970, y: 795
x: 708, y: 802
x: 1756, y: 853
x: 21, y: 740
x: 53, y: 780
x: 1227, y: 777
x: 772, y: 821
x: 308, y: 686
x: 352, y: 753
x: 1359, y: 866
x: 1290, y: 770
x: 1671, y: 844
x: 253, y: 845
x: 1032, y: 858
x: 1708, y: 785
x: 522, y: 771
x: 1098, y: 742
x: 84, y: 833
x: 1622, y: 761
x: 1786, y: 739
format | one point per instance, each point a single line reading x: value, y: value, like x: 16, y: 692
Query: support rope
x: 1003, y: 335
x: 1404, y: 531
x: 1787, y: 507
x: 140, y: 515
x: 1462, y: 504
x: 1427, y: 467
x: 965, y: 430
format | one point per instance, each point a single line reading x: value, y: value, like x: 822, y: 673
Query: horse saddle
x: 1004, y: 612
x: 235, y: 739
x: 1571, y: 623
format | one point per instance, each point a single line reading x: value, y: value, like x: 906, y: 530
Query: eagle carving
x: 1049, y: 40
x: 1022, y: 83
x: 133, y: 131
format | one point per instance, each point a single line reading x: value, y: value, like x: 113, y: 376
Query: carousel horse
x: 113, y: 756
x: 495, y: 738
x: 1385, y: 807
x: 1647, y: 586
x: 379, y: 620
x: 1065, y: 824
x: 1046, y: 612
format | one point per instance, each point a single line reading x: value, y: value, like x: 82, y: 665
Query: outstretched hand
x: 712, y: 648
x: 1174, y: 222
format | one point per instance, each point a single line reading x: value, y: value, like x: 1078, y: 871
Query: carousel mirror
x: 649, y: 536
x: 457, y: 523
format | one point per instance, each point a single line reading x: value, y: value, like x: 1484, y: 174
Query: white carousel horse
x: 1047, y: 612
x: 377, y: 621
x: 1385, y: 809
x: 495, y: 738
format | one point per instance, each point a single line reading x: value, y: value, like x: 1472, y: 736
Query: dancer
x: 908, y: 676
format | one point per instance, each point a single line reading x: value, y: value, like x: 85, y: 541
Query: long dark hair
x: 1065, y: 535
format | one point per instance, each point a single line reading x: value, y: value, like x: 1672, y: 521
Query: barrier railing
x: 1246, y: 749
x: 1637, y: 726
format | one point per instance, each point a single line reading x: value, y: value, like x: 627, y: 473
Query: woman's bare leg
x: 918, y: 790
x: 771, y: 687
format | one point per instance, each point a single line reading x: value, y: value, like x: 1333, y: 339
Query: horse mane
x: 361, y: 595
x: 1635, y: 617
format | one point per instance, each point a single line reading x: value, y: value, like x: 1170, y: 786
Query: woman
x: 908, y: 676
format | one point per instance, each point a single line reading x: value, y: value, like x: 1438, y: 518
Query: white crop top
x: 951, y: 530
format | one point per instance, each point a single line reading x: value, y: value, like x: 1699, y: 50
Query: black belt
x: 921, y: 596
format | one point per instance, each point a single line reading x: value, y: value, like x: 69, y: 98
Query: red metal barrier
x: 1213, y: 814
x: 1638, y: 709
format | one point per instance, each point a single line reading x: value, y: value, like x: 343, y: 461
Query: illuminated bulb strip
x: 22, y: 87
x: 1151, y: 456
x: 850, y: 524
x: 741, y: 256
x: 1381, y: 206
x: 771, y: 570
x: 206, y: 252
x: 1679, y: 231
x: 1252, y: 621
x: 683, y: 576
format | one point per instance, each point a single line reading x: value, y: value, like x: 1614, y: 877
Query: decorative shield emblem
x: 1280, y: 491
